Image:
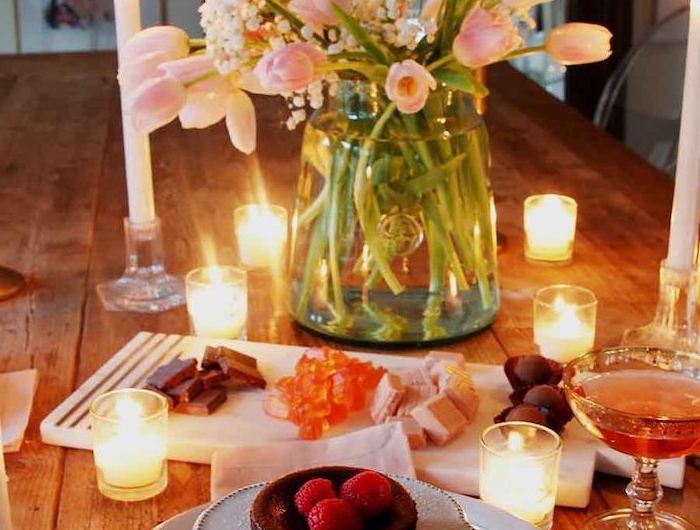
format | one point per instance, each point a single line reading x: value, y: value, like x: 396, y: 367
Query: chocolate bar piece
x: 169, y: 399
x: 212, y: 355
x: 204, y: 404
x: 241, y: 371
x: 211, y: 378
x: 187, y: 390
x: 209, y: 359
x: 172, y: 374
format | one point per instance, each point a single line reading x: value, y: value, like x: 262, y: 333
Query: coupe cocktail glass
x: 644, y: 402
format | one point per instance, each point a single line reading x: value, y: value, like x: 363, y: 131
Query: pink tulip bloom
x: 240, y: 122
x: 579, y: 43
x: 188, y: 68
x: 290, y: 67
x: 202, y: 110
x: 155, y: 102
x: 485, y: 37
x: 409, y: 84
x: 316, y: 13
x: 169, y: 39
x: 135, y: 71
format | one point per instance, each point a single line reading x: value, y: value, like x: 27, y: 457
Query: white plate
x: 481, y: 515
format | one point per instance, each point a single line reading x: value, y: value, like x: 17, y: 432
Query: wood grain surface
x: 62, y: 201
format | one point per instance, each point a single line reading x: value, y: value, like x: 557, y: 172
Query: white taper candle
x: 137, y: 152
x: 5, y: 519
x: 683, y: 234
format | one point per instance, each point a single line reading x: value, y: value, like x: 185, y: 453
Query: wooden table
x: 62, y: 202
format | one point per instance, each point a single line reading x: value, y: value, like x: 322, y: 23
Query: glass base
x: 144, y: 287
x: 153, y: 294
x: 618, y: 520
x: 674, y: 325
x: 134, y: 494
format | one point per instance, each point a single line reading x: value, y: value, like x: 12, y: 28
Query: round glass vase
x: 393, y: 233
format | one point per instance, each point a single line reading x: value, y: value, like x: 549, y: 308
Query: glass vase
x: 393, y: 233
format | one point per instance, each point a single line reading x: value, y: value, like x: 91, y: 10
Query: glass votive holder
x: 217, y: 301
x: 564, y: 321
x: 130, y: 443
x: 261, y: 233
x: 550, y: 227
x: 519, y: 470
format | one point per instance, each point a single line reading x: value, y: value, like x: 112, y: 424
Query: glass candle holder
x: 217, y: 301
x: 550, y: 227
x: 261, y: 233
x: 519, y: 470
x: 564, y: 321
x: 130, y: 443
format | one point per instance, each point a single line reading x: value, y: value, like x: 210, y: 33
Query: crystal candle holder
x: 519, y: 470
x: 550, y: 227
x: 564, y: 321
x: 261, y: 233
x: 217, y: 301
x: 130, y: 443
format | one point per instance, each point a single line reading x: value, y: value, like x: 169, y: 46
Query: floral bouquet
x: 394, y: 223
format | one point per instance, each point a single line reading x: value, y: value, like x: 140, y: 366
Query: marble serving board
x: 241, y: 420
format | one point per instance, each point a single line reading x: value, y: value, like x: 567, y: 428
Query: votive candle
x: 564, y: 321
x: 130, y: 443
x: 217, y: 301
x: 519, y: 469
x: 550, y: 227
x: 261, y: 233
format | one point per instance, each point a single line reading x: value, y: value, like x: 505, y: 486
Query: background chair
x: 641, y: 100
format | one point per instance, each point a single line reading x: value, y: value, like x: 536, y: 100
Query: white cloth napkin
x: 16, y: 397
x: 382, y: 447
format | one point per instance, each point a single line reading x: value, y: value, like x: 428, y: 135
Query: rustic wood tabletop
x: 62, y: 202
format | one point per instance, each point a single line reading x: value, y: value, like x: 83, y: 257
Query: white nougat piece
x: 417, y: 438
x: 434, y: 364
x: 442, y: 421
x: 387, y: 396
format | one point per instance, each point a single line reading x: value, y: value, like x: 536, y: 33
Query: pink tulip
x: 579, y: 43
x: 290, y: 67
x: 135, y: 71
x: 188, y: 68
x: 202, y: 110
x: 169, y: 39
x: 155, y: 102
x: 409, y: 84
x: 240, y: 122
x: 316, y: 13
x: 485, y: 37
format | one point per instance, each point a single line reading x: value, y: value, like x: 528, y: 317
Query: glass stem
x: 644, y: 493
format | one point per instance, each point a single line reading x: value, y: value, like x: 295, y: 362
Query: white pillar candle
x: 550, y: 227
x: 137, y: 153
x: 5, y: 518
x: 683, y: 234
x: 564, y: 321
x: 261, y: 232
x: 130, y: 443
x: 217, y: 302
x: 519, y: 470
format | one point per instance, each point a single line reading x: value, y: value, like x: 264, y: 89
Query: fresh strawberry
x: 334, y: 514
x: 311, y: 492
x: 368, y: 491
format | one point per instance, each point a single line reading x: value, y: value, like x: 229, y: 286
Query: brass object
x: 11, y: 282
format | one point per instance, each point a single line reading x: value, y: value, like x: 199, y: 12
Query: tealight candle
x: 217, y: 301
x: 519, y: 469
x: 261, y: 232
x: 130, y: 443
x: 5, y: 519
x: 550, y: 227
x: 564, y: 321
